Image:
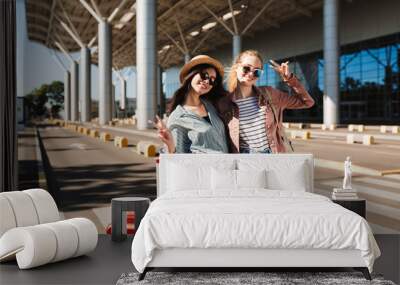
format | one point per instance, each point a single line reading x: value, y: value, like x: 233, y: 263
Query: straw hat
x: 201, y: 59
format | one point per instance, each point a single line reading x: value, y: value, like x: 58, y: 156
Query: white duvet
x: 250, y: 219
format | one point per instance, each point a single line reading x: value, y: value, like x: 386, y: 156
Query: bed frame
x: 250, y: 258
x: 243, y: 259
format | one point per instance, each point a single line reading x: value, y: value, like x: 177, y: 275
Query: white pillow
x: 230, y: 180
x: 251, y: 178
x: 223, y: 179
x: 182, y: 177
x: 293, y: 179
x: 188, y: 175
x: 288, y: 174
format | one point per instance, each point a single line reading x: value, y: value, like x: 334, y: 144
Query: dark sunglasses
x: 255, y: 71
x: 205, y: 76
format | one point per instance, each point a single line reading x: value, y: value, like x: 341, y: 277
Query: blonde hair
x: 232, y: 77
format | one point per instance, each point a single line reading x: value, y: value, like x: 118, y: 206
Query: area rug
x: 243, y: 278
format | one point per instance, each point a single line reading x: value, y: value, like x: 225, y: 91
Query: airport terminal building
x: 369, y: 34
x: 344, y: 51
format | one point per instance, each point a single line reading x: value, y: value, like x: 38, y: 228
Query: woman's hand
x: 164, y: 134
x: 282, y: 69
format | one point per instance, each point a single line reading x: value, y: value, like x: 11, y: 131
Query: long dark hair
x: 217, y: 91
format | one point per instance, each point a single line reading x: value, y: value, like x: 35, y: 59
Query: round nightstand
x: 120, y: 205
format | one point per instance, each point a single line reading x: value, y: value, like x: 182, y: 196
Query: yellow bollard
x: 120, y: 142
x: 368, y: 140
x: 105, y: 137
x: 146, y: 148
x: 86, y: 131
x: 306, y: 135
x: 94, y: 133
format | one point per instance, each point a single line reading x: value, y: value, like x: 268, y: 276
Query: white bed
x: 247, y: 211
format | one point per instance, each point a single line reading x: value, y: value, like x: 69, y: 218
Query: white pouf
x: 31, y: 233
x: 23, y: 208
x: 46, y: 208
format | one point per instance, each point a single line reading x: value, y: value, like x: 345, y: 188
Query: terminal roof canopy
x: 183, y: 25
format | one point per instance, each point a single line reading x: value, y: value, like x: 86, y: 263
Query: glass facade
x: 170, y: 88
x: 369, y: 82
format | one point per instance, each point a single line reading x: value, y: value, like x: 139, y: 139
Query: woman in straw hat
x: 194, y: 125
x: 254, y: 114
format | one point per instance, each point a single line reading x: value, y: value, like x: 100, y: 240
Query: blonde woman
x: 253, y: 115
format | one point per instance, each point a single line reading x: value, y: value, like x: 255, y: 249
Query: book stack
x: 128, y: 227
x: 344, y: 194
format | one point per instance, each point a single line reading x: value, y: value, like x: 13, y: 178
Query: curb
x: 339, y: 166
x: 42, y: 180
x: 321, y: 134
x: 135, y: 132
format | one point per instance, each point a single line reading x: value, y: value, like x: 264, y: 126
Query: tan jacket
x: 229, y: 112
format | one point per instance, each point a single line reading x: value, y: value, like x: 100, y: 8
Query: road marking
x: 78, y: 146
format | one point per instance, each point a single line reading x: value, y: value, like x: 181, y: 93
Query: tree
x: 55, y: 95
x: 47, y: 100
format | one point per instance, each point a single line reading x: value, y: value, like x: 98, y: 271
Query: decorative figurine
x: 347, y: 174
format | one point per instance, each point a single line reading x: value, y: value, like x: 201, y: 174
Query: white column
x: 105, y: 79
x: 236, y: 46
x: 146, y: 61
x: 331, y: 62
x: 74, y: 92
x: 187, y: 58
x: 122, y: 101
x: 113, y: 102
x: 67, y: 96
x: 85, y: 84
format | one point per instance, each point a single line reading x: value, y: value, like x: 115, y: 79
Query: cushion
x: 186, y: 175
x: 223, y: 179
x: 23, y: 208
x: 33, y: 246
x: 7, y: 218
x: 87, y: 235
x: 231, y: 180
x: 40, y: 244
x: 251, y: 178
x: 67, y: 240
x: 289, y: 175
x: 46, y: 208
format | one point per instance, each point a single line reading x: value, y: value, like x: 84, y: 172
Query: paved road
x: 380, y: 156
x: 90, y: 172
x: 87, y: 173
x: 27, y: 159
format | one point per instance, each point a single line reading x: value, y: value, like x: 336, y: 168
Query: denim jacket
x: 193, y: 134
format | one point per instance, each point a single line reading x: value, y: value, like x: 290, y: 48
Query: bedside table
x: 357, y: 206
x: 119, y: 205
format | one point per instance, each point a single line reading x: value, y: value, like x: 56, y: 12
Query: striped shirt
x: 252, y: 133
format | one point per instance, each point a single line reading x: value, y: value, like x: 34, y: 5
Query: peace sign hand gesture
x: 282, y: 69
x: 164, y: 134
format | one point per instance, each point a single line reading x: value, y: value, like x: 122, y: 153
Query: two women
x: 251, y: 116
x: 193, y: 124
